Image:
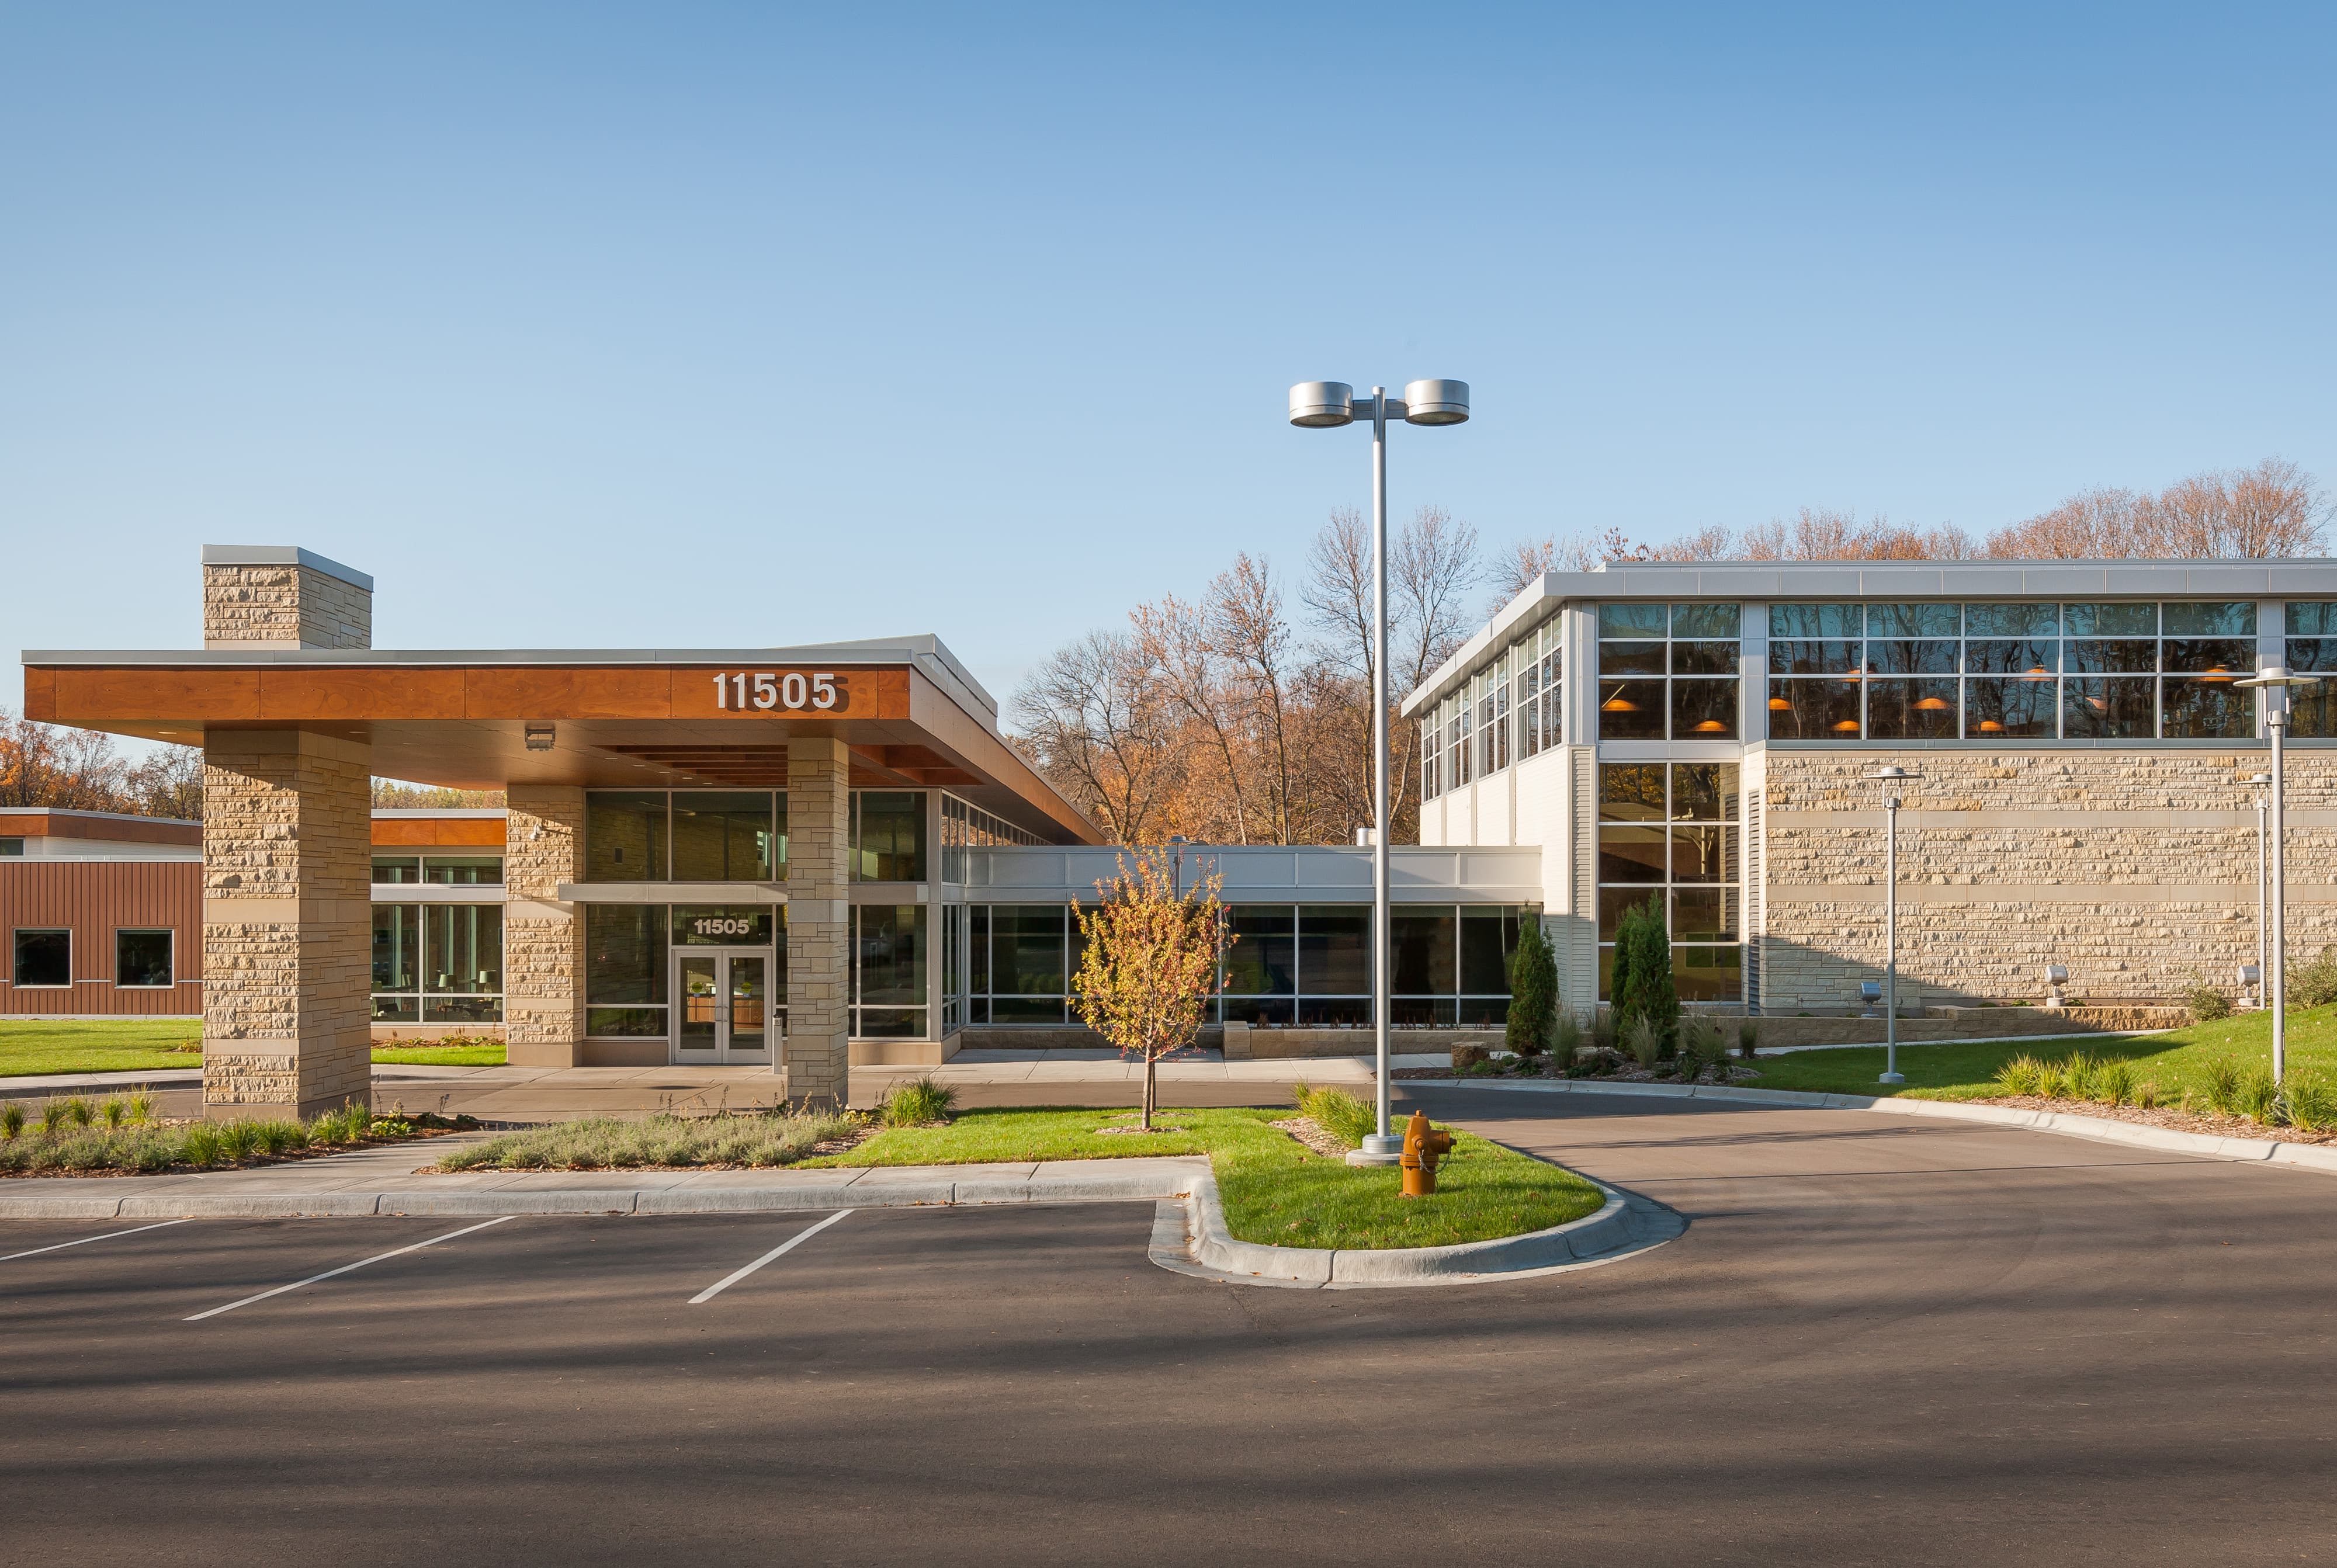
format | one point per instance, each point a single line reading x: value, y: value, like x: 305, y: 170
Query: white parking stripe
x: 85, y: 1240
x: 328, y: 1274
x: 798, y: 1240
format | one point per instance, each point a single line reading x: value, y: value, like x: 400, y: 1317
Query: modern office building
x: 1702, y: 734
x: 797, y: 857
x: 810, y: 856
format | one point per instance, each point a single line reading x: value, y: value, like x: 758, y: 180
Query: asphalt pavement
x: 1879, y: 1341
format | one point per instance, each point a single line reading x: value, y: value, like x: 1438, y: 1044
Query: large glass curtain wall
x: 437, y: 963
x: 1669, y: 671
x: 888, y: 836
x: 1510, y: 709
x: 2012, y: 671
x: 1304, y: 964
x: 438, y: 870
x: 1670, y: 832
x: 626, y: 949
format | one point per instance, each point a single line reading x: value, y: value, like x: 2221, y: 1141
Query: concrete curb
x: 1202, y: 1244
x: 2099, y: 1129
x: 586, y: 1197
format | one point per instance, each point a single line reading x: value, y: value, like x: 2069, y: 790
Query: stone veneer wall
x: 816, y: 1058
x: 2133, y: 868
x: 543, y: 939
x: 288, y: 926
x: 284, y: 606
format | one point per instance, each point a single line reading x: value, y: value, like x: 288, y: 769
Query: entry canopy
x: 656, y: 719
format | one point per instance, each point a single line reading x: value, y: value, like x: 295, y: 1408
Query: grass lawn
x: 487, y: 1056
x: 107, y: 1045
x: 28, y: 1046
x: 1274, y: 1190
x: 2174, y: 1061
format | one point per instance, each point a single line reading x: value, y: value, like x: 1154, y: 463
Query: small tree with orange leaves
x: 1150, y: 966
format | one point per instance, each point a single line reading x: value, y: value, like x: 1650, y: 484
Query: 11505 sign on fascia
x: 794, y: 691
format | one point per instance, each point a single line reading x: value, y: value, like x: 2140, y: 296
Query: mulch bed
x: 1313, y: 1133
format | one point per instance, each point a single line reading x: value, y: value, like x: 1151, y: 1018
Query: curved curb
x: 1196, y: 1241
x: 2100, y: 1128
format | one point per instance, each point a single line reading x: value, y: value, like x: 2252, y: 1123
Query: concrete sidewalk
x: 384, y: 1180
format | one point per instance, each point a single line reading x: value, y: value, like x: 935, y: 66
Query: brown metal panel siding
x: 94, y: 899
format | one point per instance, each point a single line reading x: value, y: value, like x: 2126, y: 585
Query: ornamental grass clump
x: 113, y: 1112
x: 2221, y: 1087
x: 142, y: 1108
x: 1643, y: 1041
x: 2052, y: 1082
x: 1748, y: 1038
x: 82, y: 1112
x: 1337, y: 1112
x: 202, y: 1145
x: 2308, y: 1103
x: 2259, y: 1097
x: 921, y: 1103
x: 53, y: 1118
x: 1565, y: 1038
x: 2114, y: 1083
x: 2021, y: 1076
x: 2077, y: 1074
x: 12, y: 1119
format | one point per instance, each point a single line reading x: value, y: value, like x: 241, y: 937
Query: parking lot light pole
x: 1326, y: 405
x: 2274, y: 682
x: 1891, y: 1074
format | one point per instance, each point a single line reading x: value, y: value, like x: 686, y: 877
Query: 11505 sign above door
x: 794, y: 691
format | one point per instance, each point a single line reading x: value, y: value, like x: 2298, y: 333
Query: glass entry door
x: 725, y: 1014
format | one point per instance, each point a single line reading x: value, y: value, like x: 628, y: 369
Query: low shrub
x: 2206, y: 1003
x: 2221, y: 1087
x: 919, y: 1102
x: 2259, y: 1097
x: 2114, y: 1083
x: 1337, y: 1112
x: 2018, y: 1077
x: 2314, y: 984
x: 12, y: 1119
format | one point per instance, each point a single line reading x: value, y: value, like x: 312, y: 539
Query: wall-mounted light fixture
x: 540, y: 737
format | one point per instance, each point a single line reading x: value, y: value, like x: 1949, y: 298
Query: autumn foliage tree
x: 1150, y: 964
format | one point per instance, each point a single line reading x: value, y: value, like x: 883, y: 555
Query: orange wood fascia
x: 934, y: 713
x: 99, y: 696
x: 470, y: 832
x: 567, y: 692
x: 41, y: 694
x: 360, y: 694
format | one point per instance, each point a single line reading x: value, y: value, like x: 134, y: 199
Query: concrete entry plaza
x: 1878, y: 1341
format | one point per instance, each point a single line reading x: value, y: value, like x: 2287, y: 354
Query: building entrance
x: 724, y: 1014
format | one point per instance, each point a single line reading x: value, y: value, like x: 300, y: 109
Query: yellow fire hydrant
x: 1424, y: 1146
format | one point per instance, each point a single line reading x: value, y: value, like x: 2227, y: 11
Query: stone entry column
x: 816, y: 1056
x: 543, y: 939
x: 287, y: 923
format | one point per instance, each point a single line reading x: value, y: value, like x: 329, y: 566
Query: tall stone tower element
x: 286, y: 857
x: 282, y: 596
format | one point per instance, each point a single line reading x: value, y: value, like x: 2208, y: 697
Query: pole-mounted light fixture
x: 1891, y: 1074
x: 2273, y: 681
x: 1324, y: 405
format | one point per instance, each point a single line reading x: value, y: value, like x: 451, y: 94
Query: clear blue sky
x: 690, y: 324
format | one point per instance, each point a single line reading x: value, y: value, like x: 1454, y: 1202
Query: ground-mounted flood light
x: 2273, y: 683
x: 1322, y: 406
x: 540, y: 737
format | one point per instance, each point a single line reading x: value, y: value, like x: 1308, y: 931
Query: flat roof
x: 2307, y: 577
